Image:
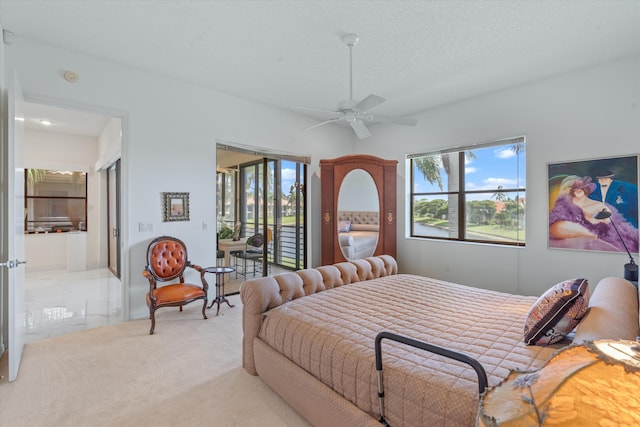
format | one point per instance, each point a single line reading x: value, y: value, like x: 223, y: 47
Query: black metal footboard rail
x: 482, y: 375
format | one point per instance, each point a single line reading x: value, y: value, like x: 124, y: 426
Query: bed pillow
x: 364, y: 227
x: 344, y: 226
x: 557, y: 312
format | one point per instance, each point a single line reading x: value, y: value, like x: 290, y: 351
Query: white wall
x: 109, y: 143
x: 109, y: 151
x: 586, y: 114
x: 169, y: 134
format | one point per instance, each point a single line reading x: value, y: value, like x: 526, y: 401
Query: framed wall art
x: 175, y: 206
x: 593, y: 204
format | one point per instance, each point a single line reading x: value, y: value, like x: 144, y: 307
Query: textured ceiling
x: 416, y: 54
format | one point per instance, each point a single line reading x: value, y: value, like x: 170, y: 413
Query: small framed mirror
x: 175, y: 207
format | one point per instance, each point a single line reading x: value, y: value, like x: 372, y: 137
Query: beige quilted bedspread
x: 331, y: 335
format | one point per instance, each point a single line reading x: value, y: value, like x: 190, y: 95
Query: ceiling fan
x: 357, y: 113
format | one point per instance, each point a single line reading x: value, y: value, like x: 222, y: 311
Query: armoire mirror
x: 358, y: 215
x: 358, y: 207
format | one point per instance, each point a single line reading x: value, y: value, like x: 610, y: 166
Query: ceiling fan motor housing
x: 350, y: 39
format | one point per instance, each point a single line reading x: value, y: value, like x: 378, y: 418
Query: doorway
x: 91, y: 293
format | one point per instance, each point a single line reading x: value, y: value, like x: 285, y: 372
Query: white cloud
x: 504, y: 153
x: 470, y: 170
x: 495, y: 182
x: 288, y: 173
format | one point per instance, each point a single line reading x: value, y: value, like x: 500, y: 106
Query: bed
x: 310, y: 336
x: 358, y: 233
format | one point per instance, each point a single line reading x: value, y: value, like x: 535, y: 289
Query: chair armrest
x: 152, y: 281
x: 200, y: 270
x: 195, y: 266
x: 152, y: 285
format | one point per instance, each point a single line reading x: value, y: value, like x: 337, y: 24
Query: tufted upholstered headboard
x: 264, y: 293
x: 360, y: 217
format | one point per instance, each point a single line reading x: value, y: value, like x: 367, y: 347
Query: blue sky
x: 492, y: 167
x: 288, y: 173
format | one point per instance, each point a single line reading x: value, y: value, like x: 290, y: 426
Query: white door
x: 13, y: 226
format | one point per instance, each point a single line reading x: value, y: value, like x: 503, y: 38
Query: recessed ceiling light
x: 45, y: 122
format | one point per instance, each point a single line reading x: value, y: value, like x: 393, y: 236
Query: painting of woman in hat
x: 572, y: 222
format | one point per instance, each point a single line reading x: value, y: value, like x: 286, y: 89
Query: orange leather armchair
x: 166, y: 262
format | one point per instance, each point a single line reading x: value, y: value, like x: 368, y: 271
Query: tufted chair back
x: 166, y: 262
x: 167, y: 258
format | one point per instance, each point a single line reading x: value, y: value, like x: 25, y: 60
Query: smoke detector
x: 71, y: 76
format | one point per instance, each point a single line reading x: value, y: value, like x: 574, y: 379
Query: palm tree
x: 499, y: 195
x: 34, y: 176
x: 429, y: 165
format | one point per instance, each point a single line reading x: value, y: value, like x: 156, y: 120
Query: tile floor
x: 58, y: 302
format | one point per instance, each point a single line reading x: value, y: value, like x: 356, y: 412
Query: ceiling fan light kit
x: 353, y: 112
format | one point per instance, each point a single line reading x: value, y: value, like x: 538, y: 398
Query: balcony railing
x: 287, y: 246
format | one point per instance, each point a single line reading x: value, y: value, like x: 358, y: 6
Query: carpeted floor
x: 187, y: 374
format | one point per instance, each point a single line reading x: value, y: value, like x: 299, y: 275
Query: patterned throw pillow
x: 557, y: 312
x: 344, y: 226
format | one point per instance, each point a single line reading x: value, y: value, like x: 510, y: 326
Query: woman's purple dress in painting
x: 565, y: 210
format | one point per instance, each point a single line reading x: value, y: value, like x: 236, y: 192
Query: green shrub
x: 225, y: 233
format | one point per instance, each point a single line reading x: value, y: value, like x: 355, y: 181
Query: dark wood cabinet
x: 332, y: 175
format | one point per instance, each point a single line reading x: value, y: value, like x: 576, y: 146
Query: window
x: 473, y: 194
x: 55, y: 201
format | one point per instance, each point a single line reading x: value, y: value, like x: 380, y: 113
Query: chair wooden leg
x: 153, y: 321
x: 204, y: 306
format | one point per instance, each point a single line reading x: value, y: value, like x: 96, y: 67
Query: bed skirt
x: 312, y: 399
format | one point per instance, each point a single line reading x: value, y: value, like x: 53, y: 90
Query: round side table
x: 219, y: 272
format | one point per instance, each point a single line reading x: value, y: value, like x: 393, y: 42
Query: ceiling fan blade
x: 320, y: 110
x: 397, y: 120
x: 360, y: 129
x: 323, y: 123
x: 369, y: 102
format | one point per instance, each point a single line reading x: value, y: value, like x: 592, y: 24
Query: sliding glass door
x: 271, y: 201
